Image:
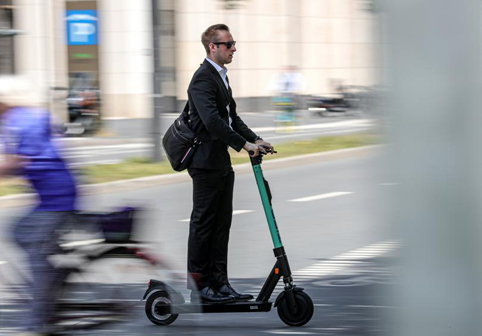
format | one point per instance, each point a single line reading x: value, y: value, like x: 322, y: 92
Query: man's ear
x: 212, y: 47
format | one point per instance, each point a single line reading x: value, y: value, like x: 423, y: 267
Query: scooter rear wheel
x: 302, y: 316
x: 156, y: 301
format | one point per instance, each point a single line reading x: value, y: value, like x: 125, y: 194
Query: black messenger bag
x: 180, y: 142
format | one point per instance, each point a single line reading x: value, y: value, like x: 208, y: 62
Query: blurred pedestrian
x: 213, y: 117
x: 287, y: 88
x: 30, y: 152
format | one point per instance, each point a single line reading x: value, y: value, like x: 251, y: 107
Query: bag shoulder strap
x: 185, y: 116
x: 185, y: 111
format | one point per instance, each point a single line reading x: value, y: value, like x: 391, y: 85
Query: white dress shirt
x: 223, y: 72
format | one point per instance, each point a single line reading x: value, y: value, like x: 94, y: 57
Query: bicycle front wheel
x: 108, y: 288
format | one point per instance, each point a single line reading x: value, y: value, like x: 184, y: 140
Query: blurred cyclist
x: 29, y: 151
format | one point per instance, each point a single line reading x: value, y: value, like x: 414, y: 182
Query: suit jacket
x: 208, y: 115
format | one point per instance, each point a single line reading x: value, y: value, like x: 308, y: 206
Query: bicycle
x: 103, y: 276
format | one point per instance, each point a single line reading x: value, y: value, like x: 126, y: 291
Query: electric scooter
x: 295, y: 307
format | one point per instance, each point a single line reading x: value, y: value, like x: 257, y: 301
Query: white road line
x: 337, y: 263
x: 331, y: 266
x: 239, y: 212
x: 3, y: 262
x: 369, y: 306
x: 321, y: 196
x: 10, y: 311
x: 83, y: 242
x: 304, y: 134
x: 389, y: 184
x: 285, y: 332
x: 235, y: 212
x: 335, y: 124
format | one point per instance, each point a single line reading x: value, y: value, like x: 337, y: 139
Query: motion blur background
x: 424, y: 53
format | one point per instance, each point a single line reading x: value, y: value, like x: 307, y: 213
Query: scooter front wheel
x: 156, y: 306
x: 303, y: 314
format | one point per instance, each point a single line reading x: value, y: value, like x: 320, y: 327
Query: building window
x: 7, y: 33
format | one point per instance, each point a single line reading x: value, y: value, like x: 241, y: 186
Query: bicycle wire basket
x: 116, y: 226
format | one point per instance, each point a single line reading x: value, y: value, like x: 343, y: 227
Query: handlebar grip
x: 268, y: 150
x: 261, y: 153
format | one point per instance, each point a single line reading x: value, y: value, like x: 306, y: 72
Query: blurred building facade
x: 325, y: 39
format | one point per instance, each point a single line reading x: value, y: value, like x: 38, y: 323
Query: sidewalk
x: 119, y: 140
x: 87, y: 141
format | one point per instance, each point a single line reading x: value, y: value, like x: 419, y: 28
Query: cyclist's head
x: 17, y: 91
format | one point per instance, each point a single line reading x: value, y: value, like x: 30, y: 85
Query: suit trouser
x: 209, y: 227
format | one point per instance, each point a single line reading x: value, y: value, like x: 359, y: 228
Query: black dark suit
x: 212, y: 175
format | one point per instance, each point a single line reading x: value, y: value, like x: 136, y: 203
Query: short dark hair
x: 211, y: 35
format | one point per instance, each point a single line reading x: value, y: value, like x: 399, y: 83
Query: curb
x: 157, y: 180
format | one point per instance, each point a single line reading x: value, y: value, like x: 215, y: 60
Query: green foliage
x: 13, y: 186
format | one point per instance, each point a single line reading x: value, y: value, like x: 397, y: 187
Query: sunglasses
x: 228, y: 44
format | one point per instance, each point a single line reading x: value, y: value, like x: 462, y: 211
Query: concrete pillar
x: 435, y: 155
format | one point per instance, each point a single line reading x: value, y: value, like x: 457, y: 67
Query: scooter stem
x: 265, y: 194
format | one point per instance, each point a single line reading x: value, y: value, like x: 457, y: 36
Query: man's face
x: 220, y: 53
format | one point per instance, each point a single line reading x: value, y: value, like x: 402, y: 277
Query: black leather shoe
x: 211, y: 295
x: 228, y: 290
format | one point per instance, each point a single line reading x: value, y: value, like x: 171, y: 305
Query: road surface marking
x: 389, y: 184
x: 370, y: 306
x: 335, y: 124
x: 83, y: 243
x: 235, y: 212
x: 335, y: 264
x: 285, y: 332
x: 305, y: 134
x: 10, y: 310
x: 3, y: 262
x: 345, y: 260
x: 321, y: 196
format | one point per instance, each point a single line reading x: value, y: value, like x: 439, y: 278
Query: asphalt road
x: 332, y: 229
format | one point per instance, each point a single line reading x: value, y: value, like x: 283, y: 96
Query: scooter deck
x: 235, y: 307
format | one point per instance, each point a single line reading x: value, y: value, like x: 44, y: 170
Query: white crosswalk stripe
x: 335, y: 264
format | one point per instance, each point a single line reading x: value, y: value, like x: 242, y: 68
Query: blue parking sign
x: 81, y: 27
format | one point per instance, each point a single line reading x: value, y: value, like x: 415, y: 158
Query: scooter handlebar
x: 268, y: 150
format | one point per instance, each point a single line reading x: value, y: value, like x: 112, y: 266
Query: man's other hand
x: 270, y: 148
x: 255, y: 149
